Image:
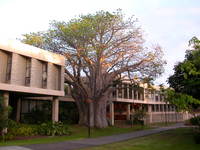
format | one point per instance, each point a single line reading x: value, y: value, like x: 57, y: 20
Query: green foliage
x: 53, y: 128
x: 138, y: 116
x: 4, y: 111
x: 49, y: 128
x: 24, y: 130
x: 186, y: 78
x: 13, y: 124
x: 183, y: 102
x: 195, y: 121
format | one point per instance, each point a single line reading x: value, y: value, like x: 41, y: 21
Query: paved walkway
x: 77, y: 144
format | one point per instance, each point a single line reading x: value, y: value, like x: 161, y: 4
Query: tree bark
x: 98, y: 118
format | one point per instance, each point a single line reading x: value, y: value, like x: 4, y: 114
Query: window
x: 28, y: 71
x: 161, y: 108
x: 114, y: 93
x: 125, y: 91
x: 8, y: 68
x: 44, y: 75
x: 135, y: 94
x: 130, y: 91
x: 120, y: 91
x: 156, y: 97
x: 157, y: 108
x: 153, y: 108
x: 139, y: 96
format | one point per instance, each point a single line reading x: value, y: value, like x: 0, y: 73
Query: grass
x: 178, y: 139
x: 77, y: 132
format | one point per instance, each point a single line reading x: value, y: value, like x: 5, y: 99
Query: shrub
x: 48, y: 128
x: 195, y: 120
x: 24, y: 130
x: 138, y: 116
x: 13, y: 124
x: 53, y: 128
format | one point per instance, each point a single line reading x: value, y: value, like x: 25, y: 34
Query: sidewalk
x: 77, y: 144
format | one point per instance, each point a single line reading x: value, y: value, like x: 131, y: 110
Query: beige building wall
x: 54, y: 77
x: 3, y: 64
x: 36, y: 73
x: 18, y: 72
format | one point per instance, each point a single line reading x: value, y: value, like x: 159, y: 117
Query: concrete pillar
x: 18, y: 110
x: 136, y: 94
x: 150, y: 113
x: 5, y: 104
x: 55, y: 109
x: 128, y: 91
x: 112, y: 114
x: 154, y: 96
x: 117, y: 91
x: 159, y: 110
x: 122, y: 91
x: 128, y: 114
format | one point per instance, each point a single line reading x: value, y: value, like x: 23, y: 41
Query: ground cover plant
x: 26, y: 130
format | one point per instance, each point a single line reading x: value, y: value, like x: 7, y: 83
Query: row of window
x: 163, y: 108
x: 127, y: 91
x: 27, y: 78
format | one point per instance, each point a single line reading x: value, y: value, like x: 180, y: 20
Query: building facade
x: 128, y: 98
x: 29, y: 71
x: 29, y: 76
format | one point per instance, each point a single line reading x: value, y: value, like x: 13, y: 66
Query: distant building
x: 128, y: 98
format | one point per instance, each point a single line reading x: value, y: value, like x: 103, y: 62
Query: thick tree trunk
x: 97, y: 113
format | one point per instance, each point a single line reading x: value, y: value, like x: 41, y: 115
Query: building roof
x: 31, y: 51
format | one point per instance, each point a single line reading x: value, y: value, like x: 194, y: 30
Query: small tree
x: 4, y: 110
x: 183, y: 102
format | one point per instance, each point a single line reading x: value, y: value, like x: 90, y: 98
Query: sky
x: 169, y: 23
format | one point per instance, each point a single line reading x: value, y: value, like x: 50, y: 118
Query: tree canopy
x: 99, y: 49
x: 183, y: 102
x: 186, y: 77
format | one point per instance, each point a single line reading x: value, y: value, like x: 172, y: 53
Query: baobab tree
x: 99, y: 48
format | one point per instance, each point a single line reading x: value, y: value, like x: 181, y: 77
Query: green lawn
x: 179, y: 139
x: 77, y: 132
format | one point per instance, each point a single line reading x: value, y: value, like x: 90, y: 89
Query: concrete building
x: 29, y: 71
x: 30, y: 75
x: 128, y: 98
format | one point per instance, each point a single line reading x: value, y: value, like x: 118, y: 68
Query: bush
x: 137, y: 117
x: 52, y: 129
x: 48, y: 128
x: 13, y: 124
x: 195, y: 121
x: 24, y: 130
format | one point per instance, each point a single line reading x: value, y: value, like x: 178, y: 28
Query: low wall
x: 157, y: 117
